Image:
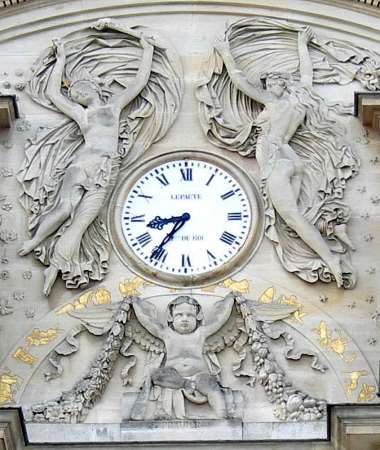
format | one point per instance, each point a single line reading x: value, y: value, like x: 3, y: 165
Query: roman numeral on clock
x: 144, y: 196
x: 159, y: 255
x: 227, y: 238
x: 211, y: 257
x: 144, y: 239
x: 140, y: 218
x: 227, y: 195
x: 210, y: 179
x: 187, y: 174
x: 185, y: 261
x: 234, y: 216
x: 162, y: 179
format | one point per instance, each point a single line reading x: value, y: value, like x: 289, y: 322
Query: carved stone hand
x: 306, y: 35
x: 146, y: 42
x: 103, y: 24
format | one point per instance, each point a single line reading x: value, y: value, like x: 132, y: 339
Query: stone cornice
x: 33, y: 16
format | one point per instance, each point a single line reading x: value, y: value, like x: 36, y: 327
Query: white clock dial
x: 186, y: 217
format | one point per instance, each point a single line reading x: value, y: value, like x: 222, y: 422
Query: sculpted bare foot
x: 27, y: 247
x: 50, y: 276
x: 336, y: 270
x: 341, y: 234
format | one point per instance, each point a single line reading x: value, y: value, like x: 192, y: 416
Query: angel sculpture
x: 121, y: 92
x: 181, y: 365
x: 300, y: 146
x: 186, y: 368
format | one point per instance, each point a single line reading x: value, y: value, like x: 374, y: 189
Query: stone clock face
x: 185, y: 218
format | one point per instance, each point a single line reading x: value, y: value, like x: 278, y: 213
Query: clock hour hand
x: 158, y: 223
x: 178, y: 225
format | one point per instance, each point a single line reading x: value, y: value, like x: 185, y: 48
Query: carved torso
x: 100, y: 129
x: 185, y: 352
x: 281, y: 118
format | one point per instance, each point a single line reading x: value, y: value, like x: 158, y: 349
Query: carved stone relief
x: 257, y: 99
x: 114, y: 111
x: 182, y: 364
x: 170, y: 354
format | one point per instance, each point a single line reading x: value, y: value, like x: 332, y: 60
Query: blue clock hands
x: 158, y: 223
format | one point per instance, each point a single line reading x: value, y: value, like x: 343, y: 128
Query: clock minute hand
x: 158, y: 222
x: 178, y: 225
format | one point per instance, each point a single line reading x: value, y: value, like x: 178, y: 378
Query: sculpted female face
x: 184, y: 318
x: 84, y: 92
x: 276, y: 86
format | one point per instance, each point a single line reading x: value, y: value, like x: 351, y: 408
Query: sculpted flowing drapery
x: 238, y: 122
x: 109, y: 57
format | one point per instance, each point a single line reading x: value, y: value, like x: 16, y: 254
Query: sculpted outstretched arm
x: 237, y: 76
x: 142, y: 75
x: 220, y: 314
x: 147, y: 315
x: 306, y: 65
x: 53, y: 89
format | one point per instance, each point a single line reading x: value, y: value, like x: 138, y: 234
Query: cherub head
x: 275, y: 82
x: 184, y: 314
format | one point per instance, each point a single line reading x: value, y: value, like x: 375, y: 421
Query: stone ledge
x: 177, y: 431
x: 352, y: 427
x: 356, y: 427
x: 367, y: 108
x: 11, y: 433
x: 8, y: 110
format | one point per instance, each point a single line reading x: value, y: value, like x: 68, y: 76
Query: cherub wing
x: 233, y: 336
x: 136, y: 334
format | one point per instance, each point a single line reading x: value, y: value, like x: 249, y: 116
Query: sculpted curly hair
x: 184, y: 299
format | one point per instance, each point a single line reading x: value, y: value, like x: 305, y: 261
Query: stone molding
x: 349, y: 425
x: 41, y: 15
x: 11, y: 434
x: 369, y: 3
x: 8, y: 111
x: 352, y: 426
x: 367, y: 108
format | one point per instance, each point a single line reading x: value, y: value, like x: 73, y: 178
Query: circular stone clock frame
x: 139, y: 267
